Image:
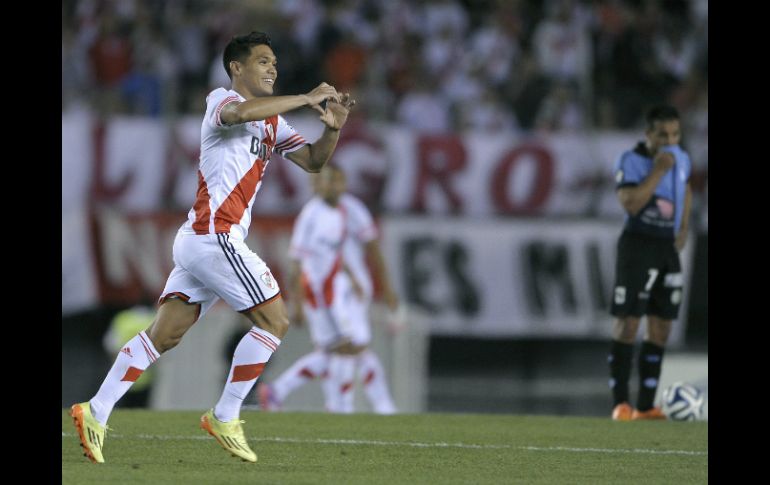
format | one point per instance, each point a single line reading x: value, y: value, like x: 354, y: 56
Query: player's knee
x: 272, y: 318
x: 658, y: 332
x: 166, y: 336
x: 658, y: 337
x: 343, y: 350
x: 170, y: 339
x: 278, y: 325
x: 283, y: 324
x: 348, y: 348
x: 626, y: 329
x: 630, y: 331
x: 658, y: 340
x: 357, y: 349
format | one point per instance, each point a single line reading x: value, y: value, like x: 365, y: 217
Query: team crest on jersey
x: 267, y: 279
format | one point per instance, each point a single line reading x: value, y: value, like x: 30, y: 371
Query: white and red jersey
x: 361, y: 229
x: 233, y: 160
x: 316, y: 241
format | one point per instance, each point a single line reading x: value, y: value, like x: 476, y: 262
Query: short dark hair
x: 239, y: 48
x: 662, y: 112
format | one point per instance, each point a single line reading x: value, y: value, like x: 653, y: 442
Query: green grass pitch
x: 314, y: 448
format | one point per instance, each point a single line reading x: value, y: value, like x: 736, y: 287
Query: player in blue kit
x: 652, y: 182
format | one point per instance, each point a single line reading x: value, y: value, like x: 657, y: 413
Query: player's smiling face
x: 260, y: 71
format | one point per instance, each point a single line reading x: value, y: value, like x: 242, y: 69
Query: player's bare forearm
x: 257, y: 109
x: 313, y: 157
x: 383, y: 278
x: 687, y: 204
x: 296, y: 295
x: 681, y: 238
x: 295, y: 282
x: 633, y: 199
x: 353, y: 281
x: 321, y: 151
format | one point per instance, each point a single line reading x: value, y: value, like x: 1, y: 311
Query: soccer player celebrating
x: 240, y: 130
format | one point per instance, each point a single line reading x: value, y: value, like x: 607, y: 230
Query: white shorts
x: 212, y: 266
x: 345, y: 318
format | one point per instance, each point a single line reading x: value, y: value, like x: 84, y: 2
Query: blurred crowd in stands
x: 434, y: 65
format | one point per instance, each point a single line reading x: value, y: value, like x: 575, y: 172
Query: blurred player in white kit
x: 332, y: 238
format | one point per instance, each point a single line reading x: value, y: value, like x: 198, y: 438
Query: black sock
x: 650, y: 360
x: 620, y: 370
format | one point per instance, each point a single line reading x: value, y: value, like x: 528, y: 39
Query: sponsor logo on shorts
x: 676, y: 297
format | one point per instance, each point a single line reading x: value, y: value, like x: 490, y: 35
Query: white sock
x: 249, y: 359
x: 133, y: 359
x: 342, y: 371
x: 372, y: 374
x: 330, y: 391
x: 304, y: 370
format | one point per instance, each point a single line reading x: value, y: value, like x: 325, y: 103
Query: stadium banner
x: 141, y: 164
x: 509, y: 277
x: 79, y: 289
x: 482, y: 278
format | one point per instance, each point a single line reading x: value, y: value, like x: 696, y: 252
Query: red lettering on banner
x: 179, y: 157
x: 541, y: 188
x: 132, y: 254
x: 100, y: 189
x: 438, y: 158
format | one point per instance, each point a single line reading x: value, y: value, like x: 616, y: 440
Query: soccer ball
x: 682, y: 402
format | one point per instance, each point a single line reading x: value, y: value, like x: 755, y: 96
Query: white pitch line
x: 414, y: 444
x: 615, y: 450
x: 383, y: 443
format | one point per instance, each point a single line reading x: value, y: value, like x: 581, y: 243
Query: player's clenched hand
x: 336, y: 113
x: 664, y: 161
x: 323, y: 92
